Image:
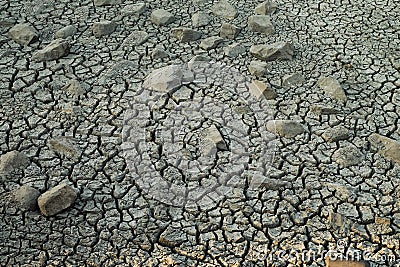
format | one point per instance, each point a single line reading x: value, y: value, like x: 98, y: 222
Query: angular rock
x: 332, y: 88
x: 185, y: 35
x: 26, y: 197
x: 261, y: 24
x: 228, y: 31
x: 134, y: 9
x: 13, y: 160
x: 285, y: 128
x: 76, y: 87
x: 213, y: 134
x: 224, y: 10
x: 55, y: 50
x: 56, y: 199
x: 64, y: 147
x: 159, y: 53
x: 65, y: 32
x: 258, y: 68
x: 260, y: 89
x: 279, y: 50
x: 135, y: 38
x: 211, y: 42
x: 200, y: 19
x: 348, y: 156
x: 24, y: 34
x: 335, y: 134
x: 266, y: 8
x: 167, y: 78
x: 198, y: 58
x: 385, y: 146
x: 293, y: 79
x: 323, y: 110
x: 104, y: 2
x: 103, y: 28
x: 234, y: 50
x: 161, y: 17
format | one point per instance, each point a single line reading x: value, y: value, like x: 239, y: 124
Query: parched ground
x: 331, y: 193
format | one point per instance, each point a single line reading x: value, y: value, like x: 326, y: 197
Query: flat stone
x: 136, y: 38
x: 213, y: 134
x: 332, y: 88
x: 258, y: 68
x: 211, y: 42
x: 198, y: 58
x: 293, y: 79
x: 200, y: 19
x: 159, y: 53
x: 167, y: 78
x: 161, y: 17
x: 185, y: 35
x: 65, y: 147
x: 55, y: 50
x: 224, y: 10
x: 260, y: 89
x: 261, y: 24
x: 65, y: 32
x: 229, y: 31
x: 285, y: 128
x: 13, y: 160
x: 104, y: 2
x: 134, y: 9
x: 266, y: 8
x: 24, y: 34
x: 324, y: 110
x: 385, y: 146
x: 26, y: 197
x: 103, y: 28
x: 76, y: 87
x: 335, y: 134
x: 348, y: 156
x: 279, y: 50
x: 234, y: 50
x: 56, y: 199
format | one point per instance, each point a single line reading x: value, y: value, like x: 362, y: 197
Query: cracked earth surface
x: 333, y: 186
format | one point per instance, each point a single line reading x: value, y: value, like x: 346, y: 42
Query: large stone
x: 285, y: 128
x: 13, y: 160
x: 211, y: 42
x: 159, y: 53
x: 167, y: 78
x: 260, y: 89
x: 258, y: 68
x: 332, y: 88
x: 294, y: 79
x: 134, y: 9
x: 26, y: 197
x: 161, y: 17
x: 265, y: 8
x: 234, y: 50
x: 104, y: 2
x: 65, y: 32
x: 385, y: 146
x: 23, y: 34
x: 228, y: 31
x: 274, y: 51
x: 103, y: 28
x: 335, y: 134
x: 224, y: 10
x: 214, y: 135
x: 348, y: 156
x: 135, y: 38
x: 56, y: 199
x: 200, y: 19
x: 185, y: 35
x: 55, y: 50
x: 261, y: 24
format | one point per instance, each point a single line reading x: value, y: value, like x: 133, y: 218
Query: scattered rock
x: 200, y: 19
x: 347, y: 156
x: 159, y: 53
x: 26, y: 197
x: 104, y: 27
x: 185, y: 35
x: 172, y: 236
x: 104, y: 2
x: 161, y: 17
x: 134, y: 9
x: 135, y: 38
x: 385, y: 146
x: 167, y: 78
x: 278, y: 50
x: 260, y: 89
x: 56, y: 199
x: 261, y: 24
x: 13, y: 160
x: 213, y: 134
x: 332, y: 88
x: 293, y: 79
x: 234, y: 50
x: 24, y: 34
x: 285, y: 128
x: 211, y: 42
x: 266, y: 8
x: 76, y: 87
x: 224, y: 10
x: 198, y: 58
x: 64, y: 147
x: 258, y: 68
x: 335, y: 134
x: 228, y: 31
x: 323, y: 110
x: 65, y: 32
x: 345, y: 263
x: 55, y: 50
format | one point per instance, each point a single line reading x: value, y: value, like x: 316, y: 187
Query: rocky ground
x: 100, y: 169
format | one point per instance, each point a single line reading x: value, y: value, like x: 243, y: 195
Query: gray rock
x: 26, y: 197
x: 261, y: 24
x: 265, y: 8
x: 65, y: 32
x: 285, y: 128
x: 167, y: 78
x: 200, y: 19
x: 335, y: 134
x: 324, y: 110
x: 332, y: 88
x: 185, y: 35
x: 347, y: 156
x: 260, y: 89
x: 258, y: 68
x: 13, y: 160
x: 56, y: 199
x: 234, y: 50
x: 76, y: 87
x: 65, y: 147
x: 134, y: 9
x: 385, y: 146
x: 224, y: 10
x: 198, y: 58
x: 213, y: 134
x: 159, y: 53
x: 135, y: 38
x: 274, y: 51
x: 104, y: 2
x: 228, y: 31
x: 293, y: 79
x: 211, y: 42
x: 55, y: 50
x: 161, y: 17
x: 24, y: 34
x: 103, y: 28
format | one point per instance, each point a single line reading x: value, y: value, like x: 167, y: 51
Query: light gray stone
x: 332, y: 88
x: 24, y: 34
x: 65, y: 32
x: 103, y: 28
x: 260, y: 89
x: 258, y: 68
x: 234, y: 50
x: 185, y: 35
x: 211, y: 42
x: 161, y: 17
x: 13, y: 160
x: 198, y: 59
x: 167, y: 78
x: 224, y: 10
x: 159, y: 53
x: 279, y: 50
x: 324, y: 110
x: 261, y: 24
x: 293, y: 79
x: 134, y: 9
x: 200, y: 19
x: 76, y: 87
x: 335, y: 134
x: 213, y: 134
x: 385, y: 146
x: 105, y: 2
x: 56, y: 199
x: 348, y: 156
x: 26, y: 197
x: 229, y: 31
x: 266, y: 8
x: 285, y: 128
